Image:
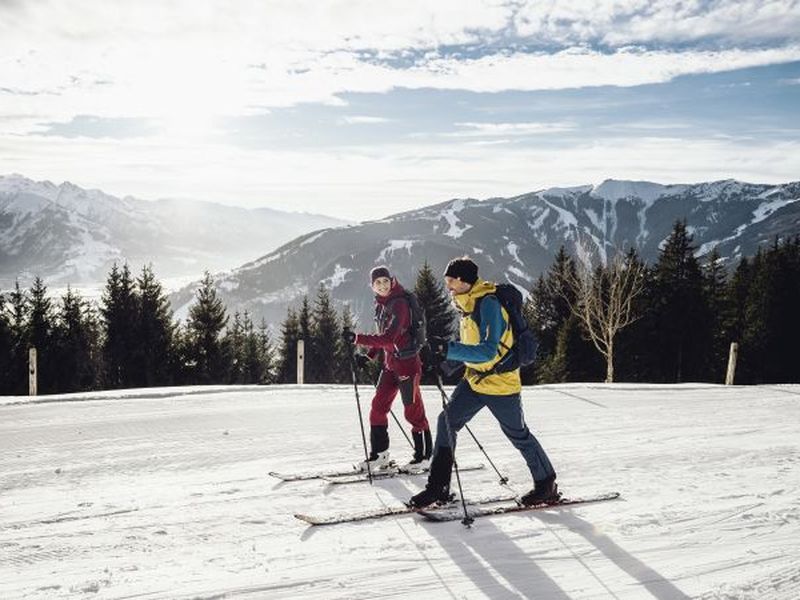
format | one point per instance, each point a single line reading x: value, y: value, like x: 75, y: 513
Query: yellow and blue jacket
x: 482, y: 346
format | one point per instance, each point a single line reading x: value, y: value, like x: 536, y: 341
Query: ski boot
x: 545, y: 492
x: 438, y: 488
x: 378, y: 461
x: 421, y: 460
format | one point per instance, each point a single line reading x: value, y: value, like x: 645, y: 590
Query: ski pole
x: 358, y: 406
x: 400, y: 426
x: 503, y: 478
x: 467, y: 520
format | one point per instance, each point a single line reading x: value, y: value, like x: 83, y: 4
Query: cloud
x: 649, y: 22
x: 93, y: 127
x: 177, y: 58
x: 510, y: 129
x: 202, y: 83
x: 364, y: 120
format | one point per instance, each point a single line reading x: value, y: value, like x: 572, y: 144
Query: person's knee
x: 377, y: 416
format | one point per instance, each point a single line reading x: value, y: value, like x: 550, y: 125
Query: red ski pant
x: 413, y: 408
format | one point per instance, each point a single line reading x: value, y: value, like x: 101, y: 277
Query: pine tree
x: 40, y: 335
x: 548, y: 305
x: 772, y: 324
x: 684, y: 334
x: 18, y: 310
x: 343, y: 356
x: 547, y: 311
x: 251, y: 360
x: 6, y: 349
x: 183, y: 363
x: 153, y: 333
x: 367, y: 375
x: 638, y: 360
x: 266, y: 354
x: 326, y: 337
x: 287, y: 354
x: 719, y: 309
x: 304, y: 332
x: 205, y: 324
x: 119, y: 310
x: 77, y: 337
x: 573, y: 359
x: 234, y: 343
x: 737, y: 291
x: 440, y: 318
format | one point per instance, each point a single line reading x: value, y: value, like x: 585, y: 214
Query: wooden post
x: 300, y: 360
x: 32, y: 372
x: 732, y: 363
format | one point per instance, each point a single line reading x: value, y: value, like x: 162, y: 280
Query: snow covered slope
x: 168, y: 496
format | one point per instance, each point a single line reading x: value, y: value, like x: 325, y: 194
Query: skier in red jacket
x: 401, y: 372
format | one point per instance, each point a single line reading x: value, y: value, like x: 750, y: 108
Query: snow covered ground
x: 168, y: 496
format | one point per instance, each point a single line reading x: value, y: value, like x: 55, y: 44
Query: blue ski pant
x: 465, y: 403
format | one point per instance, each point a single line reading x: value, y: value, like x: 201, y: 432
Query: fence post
x: 32, y: 372
x: 300, y: 360
x: 732, y: 363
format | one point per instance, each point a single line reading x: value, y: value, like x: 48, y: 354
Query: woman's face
x: 382, y: 286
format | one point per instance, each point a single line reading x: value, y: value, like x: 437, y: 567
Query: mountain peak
x: 649, y: 192
x: 566, y: 191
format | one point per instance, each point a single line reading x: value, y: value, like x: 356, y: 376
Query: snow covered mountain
x: 513, y: 239
x: 67, y: 234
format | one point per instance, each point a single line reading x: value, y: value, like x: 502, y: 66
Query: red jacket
x: 393, y: 323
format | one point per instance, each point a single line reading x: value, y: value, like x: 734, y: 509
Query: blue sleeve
x: 491, y: 330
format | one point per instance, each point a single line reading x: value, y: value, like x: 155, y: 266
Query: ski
x: 456, y: 513
x: 386, y: 474
x: 354, y: 517
x: 322, y: 474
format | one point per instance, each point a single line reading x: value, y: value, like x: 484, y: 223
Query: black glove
x: 437, y: 347
x: 348, y: 336
x: 362, y: 360
x: 451, y: 368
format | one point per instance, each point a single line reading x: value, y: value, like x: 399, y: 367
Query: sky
x: 361, y: 109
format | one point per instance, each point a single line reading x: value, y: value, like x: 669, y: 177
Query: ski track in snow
x: 168, y: 496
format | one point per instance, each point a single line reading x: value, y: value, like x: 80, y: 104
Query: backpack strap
x: 475, y: 315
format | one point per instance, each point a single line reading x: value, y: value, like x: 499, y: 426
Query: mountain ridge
x: 513, y: 239
x: 68, y: 234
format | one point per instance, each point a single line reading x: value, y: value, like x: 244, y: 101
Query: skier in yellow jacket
x: 485, y: 338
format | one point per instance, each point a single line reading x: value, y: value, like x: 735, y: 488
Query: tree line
x: 128, y: 339
x: 682, y: 314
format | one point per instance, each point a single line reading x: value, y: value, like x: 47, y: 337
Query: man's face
x: 455, y: 286
x: 382, y: 286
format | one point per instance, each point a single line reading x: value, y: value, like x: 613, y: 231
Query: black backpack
x: 523, y: 352
x: 418, y: 326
